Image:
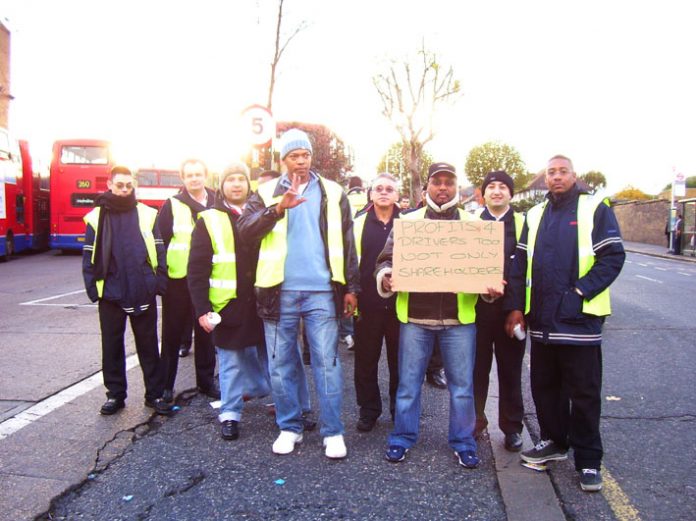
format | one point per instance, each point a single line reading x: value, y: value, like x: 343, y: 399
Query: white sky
x: 609, y: 83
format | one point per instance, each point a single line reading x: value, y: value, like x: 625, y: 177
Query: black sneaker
x: 396, y: 453
x: 590, y: 480
x: 160, y: 406
x: 545, y: 450
x: 112, y: 406
x: 365, y: 424
x: 229, y: 430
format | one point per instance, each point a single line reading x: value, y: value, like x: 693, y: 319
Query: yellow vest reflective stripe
x: 600, y: 305
x: 180, y: 244
x: 358, y: 227
x: 146, y: 223
x: 223, y: 275
x: 519, y: 221
x: 270, y: 270
x: 466, y: 302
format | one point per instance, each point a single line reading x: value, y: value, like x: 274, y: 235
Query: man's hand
x: 514, y: 317
x: 350, y: 304
x: 290, y: 198
x: 387, y: 282
x: 205, y: 323
x: 494, y: 292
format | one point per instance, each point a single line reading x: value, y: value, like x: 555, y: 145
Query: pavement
x: 658, y: 251
x: 71, y: 463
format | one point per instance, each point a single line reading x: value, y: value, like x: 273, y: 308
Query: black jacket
x: 436, y: 307
x: 130, y: 281
x: 240, y: 326
x: 555, y: 314
x: 257, y: 221
x: 374, y: 237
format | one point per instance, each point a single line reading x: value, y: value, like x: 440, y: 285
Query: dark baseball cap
x: 437, y: 168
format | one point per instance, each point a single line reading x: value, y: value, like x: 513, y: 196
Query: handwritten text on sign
x: 447, y: 256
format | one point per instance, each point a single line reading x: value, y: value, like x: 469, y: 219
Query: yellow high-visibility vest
x: 466, y: 302
x: 270, y: 270
x: 223, y: 275
x: 600, y: 305
x: 146, y: 223
x: 358, y: 227
x: 180, y: 244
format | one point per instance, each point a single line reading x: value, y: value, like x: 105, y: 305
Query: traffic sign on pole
x: 258, y: 124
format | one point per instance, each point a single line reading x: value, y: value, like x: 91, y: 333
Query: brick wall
x: 643, y: 221
x: 4, y: 74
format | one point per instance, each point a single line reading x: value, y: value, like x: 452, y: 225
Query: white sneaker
x: 335, y: 447
x: 350, y: 343
x: 285, y: 442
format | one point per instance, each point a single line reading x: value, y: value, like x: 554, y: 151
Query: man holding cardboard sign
x: 439, y: 309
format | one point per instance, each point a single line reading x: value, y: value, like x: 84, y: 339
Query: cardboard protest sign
x: 447, y: 256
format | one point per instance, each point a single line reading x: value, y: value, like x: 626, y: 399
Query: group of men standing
x: 251, y: 270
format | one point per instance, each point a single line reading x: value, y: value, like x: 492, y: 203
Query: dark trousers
x: 566, y: 385
x: 186, y: 336
x: 435, y: 363
x: 509, y: 352
x: 371, y: 328
x: 176, y: 310
x: 112, y: 322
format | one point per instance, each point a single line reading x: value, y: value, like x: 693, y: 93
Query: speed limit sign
x: 258, y: 124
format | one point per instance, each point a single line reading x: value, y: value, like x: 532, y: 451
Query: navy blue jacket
x: 130, y: 282
x: 556, y: 309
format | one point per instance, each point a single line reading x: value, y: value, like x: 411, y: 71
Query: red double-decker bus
x: 155, y: 185
x: 12, y: 216
x: 79, y: 172
x: 35, y: 182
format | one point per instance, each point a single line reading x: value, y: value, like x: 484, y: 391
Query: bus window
x: 170, y: 179
x: 84, y: 155
x: 146, y: 178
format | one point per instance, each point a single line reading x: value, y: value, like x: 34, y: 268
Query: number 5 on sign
x: 257, y: 120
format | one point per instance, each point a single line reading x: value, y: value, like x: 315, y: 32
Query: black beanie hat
x: 500, y: 176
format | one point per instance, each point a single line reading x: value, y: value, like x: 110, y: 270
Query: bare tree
x: 411, y: 94
x: 280, y: 47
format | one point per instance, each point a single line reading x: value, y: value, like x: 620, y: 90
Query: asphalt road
x: 139, y: 466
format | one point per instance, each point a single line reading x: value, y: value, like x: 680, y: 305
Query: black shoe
x: 590, y: 480
x: 229, y: 430
x: 308, y: 421
x: 160, y: 406
x: 437, y: 379
x: 545, y: 450
x: 513, y: 442
x: 211, y: 392
x: 168, y: 395
x: 365, y: 424
x: 184, y: 351
x: 112, y: 406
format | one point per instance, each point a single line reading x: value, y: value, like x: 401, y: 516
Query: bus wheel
x: 9, y: 247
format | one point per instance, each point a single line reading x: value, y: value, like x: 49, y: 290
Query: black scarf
x: 109, y: 202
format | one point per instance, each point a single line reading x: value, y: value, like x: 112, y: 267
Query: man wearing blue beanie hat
x: 294, y: 139
x: 307, y: 269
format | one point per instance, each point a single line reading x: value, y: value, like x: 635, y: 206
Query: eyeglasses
x: 121, y: 186
x: 385, y: 189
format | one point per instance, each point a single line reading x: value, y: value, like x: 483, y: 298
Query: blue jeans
x: 458, y: 348
x: 305, y: 401
x: 240, y: 373
x: 318, y: 310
